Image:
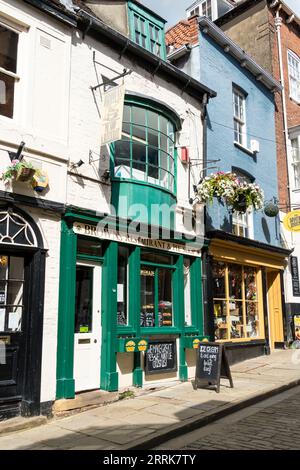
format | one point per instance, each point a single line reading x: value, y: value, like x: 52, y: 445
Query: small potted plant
x: 19, y: 171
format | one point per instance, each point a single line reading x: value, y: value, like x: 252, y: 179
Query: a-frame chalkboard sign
x: 212, y: 366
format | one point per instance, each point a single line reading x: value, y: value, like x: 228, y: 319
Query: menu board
x: 295, y: 276
x: 161, y: 357
x: 211, y: 366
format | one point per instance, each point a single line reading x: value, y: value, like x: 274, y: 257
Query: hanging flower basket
x: 240, y: 196
x: 19, y: 171
x: 271, y: 209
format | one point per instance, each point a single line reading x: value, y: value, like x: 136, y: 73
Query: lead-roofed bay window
x: 146, y: 152
x: 8, y: 69
x: 237, y: 306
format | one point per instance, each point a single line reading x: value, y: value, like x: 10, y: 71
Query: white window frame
x: 16, y: 76
x: 295, y: 162
x: 294, y: 76
x: 240, y: 119
x: 199, y: 9
x: 243, y: 221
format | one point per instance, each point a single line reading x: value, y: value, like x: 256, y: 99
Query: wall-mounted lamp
x: 18, y: 154
x: 106, y: 175
x: 77, y: 165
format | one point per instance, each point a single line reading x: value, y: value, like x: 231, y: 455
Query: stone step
x: 20, y: 424
x: 83, y: 401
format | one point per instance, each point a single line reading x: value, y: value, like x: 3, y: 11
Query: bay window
x: 236, y: 301
x: 8, y: 69
x: 146, y: 152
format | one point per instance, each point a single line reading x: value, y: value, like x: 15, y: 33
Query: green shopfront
x: 130, y: 309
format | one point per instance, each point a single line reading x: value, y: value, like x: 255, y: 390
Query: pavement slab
x: 136, y: 423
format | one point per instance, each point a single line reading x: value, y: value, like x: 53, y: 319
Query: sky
x: 172, y: 13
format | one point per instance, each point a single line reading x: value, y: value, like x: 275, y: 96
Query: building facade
x: 244, y: 262
x: 273, y: 25
x: 34, y: 133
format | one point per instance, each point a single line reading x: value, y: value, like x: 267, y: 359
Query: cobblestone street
x: 272, y: 424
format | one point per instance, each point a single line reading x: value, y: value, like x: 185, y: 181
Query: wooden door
x: 275, y: 313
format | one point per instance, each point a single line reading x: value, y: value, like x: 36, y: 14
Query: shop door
x: 275, y: 308
x: 13, y: 314
x: 87, y: 344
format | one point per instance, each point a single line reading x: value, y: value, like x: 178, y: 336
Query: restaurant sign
x: 88, y: 230
x: 292, y: 221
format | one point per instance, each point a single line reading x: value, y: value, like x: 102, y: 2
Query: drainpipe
x: 278, y: 24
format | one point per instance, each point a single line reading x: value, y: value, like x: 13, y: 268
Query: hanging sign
x: 292, y: 221
x: 112, y: 114
x: 211, y: 366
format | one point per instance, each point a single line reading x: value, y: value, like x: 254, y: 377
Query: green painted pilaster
x: 65, y: 387
x: 196, y: 295
x: 178, y: 293
x: 135, y: 309
x: 109, y: 374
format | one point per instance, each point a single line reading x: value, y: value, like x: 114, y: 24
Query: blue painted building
x: 244, y: 260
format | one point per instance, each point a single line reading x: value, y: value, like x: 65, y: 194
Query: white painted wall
x: 84, y: 186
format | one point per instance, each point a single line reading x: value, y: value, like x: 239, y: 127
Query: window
x: 294, y: 75
x: 187, y: 292
x: 235, y: 298
x: 239, y: 118
x: 242, y: 223
x: 204, y: 9
x: 122, y: 287
x: 296, y: 162
x: 11, y: 293
x: 156, y: 292
x: 147, y: 31
x: 146, y: 151
x: 84, y: 299
x: 8, y: 69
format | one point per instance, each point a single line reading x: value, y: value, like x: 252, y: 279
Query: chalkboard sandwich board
x: 212, y: 365
x: 161, y: 357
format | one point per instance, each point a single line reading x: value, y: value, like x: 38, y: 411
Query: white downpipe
x: 278, y: 24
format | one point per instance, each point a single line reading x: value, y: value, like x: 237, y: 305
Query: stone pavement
x: 154, y: 417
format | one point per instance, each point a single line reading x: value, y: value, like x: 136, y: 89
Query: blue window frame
x: 147, y: 30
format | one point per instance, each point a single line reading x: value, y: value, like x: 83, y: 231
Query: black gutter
x: 221, y: 235
x: 60, y: 14
x: 114, y: 38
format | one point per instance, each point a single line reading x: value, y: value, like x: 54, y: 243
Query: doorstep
x: 83, y: 401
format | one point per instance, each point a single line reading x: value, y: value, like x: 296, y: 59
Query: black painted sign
x: 161, y: 357
x: 211, y: 366
x: 295, y: 276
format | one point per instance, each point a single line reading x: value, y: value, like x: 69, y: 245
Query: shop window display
x: 236, y: 312
x: 156, y: 291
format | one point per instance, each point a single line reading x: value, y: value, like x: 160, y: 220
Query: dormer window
x: 147, y: 30
x: 212, y: 9
x: 203, y: 9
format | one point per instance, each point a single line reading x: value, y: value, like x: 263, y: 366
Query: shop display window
x: 156, y: 291
x: 187, y: 292
x: 122, y: 286
x: 236, y: 310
